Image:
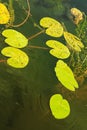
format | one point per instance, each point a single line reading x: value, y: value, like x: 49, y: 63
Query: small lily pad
x: 15, y: 38
x: 65, y: 75
x: 18, y: 58
x: 73, y: 41
x: 60, y: 107
x: 4, y: 14
x: 59, y: 50
x: 54, y: 28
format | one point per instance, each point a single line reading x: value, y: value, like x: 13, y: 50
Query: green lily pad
x: 4, y: 14
x: 18, y: 58
x: 59, y: 107
x: 65, y: 75
x: 59, y: 50
x: 15, y: 38
x: 73, y: 41
x: 54, y: 28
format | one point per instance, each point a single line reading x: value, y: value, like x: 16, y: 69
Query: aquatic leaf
x: 65, y: 75
x: 59, y: 107
x: 4, y: 14
x: 73, y: 41
x: 18, y: 58
x: 54, y: 28
x: 59, y: 50
x: 15, y: 38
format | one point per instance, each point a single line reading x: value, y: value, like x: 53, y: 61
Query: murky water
x: 25, y: 93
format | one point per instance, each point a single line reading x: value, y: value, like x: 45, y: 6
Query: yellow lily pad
x: 54, y: 28
x: 18, y: 58
x: 60, y: 107
x: 73, y: 41
x: 59, y: 50
x: 15, y: 38
x: 65, y: 75
x: 4, y: 14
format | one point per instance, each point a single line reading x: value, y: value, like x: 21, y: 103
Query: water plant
x: 65, y: 71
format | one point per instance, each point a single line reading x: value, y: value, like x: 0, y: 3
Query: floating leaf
x: 59, y: 50
x: 73, y: 41
x: 59, y: 107
x: 18, y: 58
x: 4, y: 14
x: 54, y: 28
x: 65, y: 75
x: 15, y: 38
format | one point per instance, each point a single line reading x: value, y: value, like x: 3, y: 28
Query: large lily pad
x: 59, y: 50
x: 15, y: 38
x: 65, y: 75
x: 59, y: 107
x: 18, y: 58
x: 4, y: 14
x: 73, y: 41
x: 54, y: 28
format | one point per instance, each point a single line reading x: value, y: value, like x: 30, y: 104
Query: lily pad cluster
x: 60, y: 108
x: 15, y: 40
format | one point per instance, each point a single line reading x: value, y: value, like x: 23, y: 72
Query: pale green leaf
x: 73, y: 41
x: 54, y: 28
x: 15, y: 38
x: 59, y: 107
x: 65, y: 75
x: 59, y: 50
x: 18, y: 58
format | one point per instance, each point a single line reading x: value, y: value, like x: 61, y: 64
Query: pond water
x: 25, y: 93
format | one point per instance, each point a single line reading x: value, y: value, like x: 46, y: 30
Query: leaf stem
x: 35, y: 35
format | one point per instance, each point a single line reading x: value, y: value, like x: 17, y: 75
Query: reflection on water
x: 25, y: 93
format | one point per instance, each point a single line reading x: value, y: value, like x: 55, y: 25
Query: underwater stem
x: 35, y: 35
x: 28, y: 14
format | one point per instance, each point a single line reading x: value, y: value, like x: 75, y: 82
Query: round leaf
x: 59, y: 50
x: 15, y: 38
x: 59, y: 107
x: 4, y: 14
x: 18, y: 58
x: 73, y: 41
x: 54, y: 28
x: 65, y: 75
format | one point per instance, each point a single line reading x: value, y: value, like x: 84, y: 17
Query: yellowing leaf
x: 59, y: 50
x: 18, y: 58
x: 73, y: 41
x: 65, y: 75
x: 15, y: 38
x: 54, y: 28
x: 59, y: 107
x: 4, y: 14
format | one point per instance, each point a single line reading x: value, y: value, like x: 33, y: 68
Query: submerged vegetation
x: 71, y: 55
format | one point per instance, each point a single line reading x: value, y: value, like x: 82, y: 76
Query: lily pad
x: 4, y: 14
x: 15, y: 38
x: 18, y: 58
x: 54, y: 28
x: 60, y: 107
x: 73, y: 41
x: 59, y: 50
x: 65, y: 75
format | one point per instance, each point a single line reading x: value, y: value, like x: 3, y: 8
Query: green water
x: 25, y: 93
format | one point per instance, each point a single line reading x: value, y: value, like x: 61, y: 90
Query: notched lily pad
x: 65, y: 75
x: 15, y: 38
x: 60, y: 107
x: 59, y: 50
x: 18, y: 58
x: 54, y: 28
x: 73, y: 41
